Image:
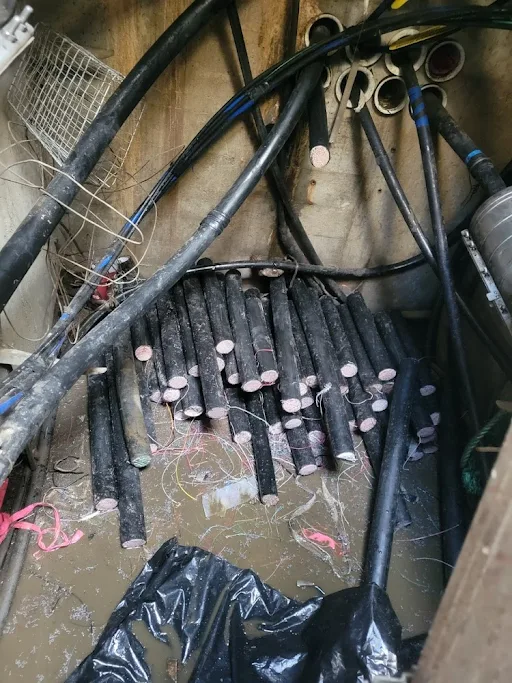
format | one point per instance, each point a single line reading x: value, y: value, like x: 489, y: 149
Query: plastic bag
x: 236, y: 628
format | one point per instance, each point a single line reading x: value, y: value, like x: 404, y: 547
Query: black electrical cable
x: 398, y: 194
x: 48, y: 211
x: 23, y: 377
x: 277, y: 178
x: 443, y: 259
x: 394, y: 186
x: 239, y: 104
x: 334, y: 272
x: 273, y: 77
x: 24, y: 245
x: 258, y: 88
x: 452, y: 504
x: 382, y: 7
x: 20, y: 425
x: 382, y: 527
x: 295, y: 239
x: 480, y: 166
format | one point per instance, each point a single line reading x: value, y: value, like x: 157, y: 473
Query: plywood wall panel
x: 345, y: 207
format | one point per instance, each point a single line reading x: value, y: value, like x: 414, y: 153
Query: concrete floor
x: 65, y: 598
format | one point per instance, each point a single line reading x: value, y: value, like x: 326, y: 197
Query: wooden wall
x: 469, y: 640
x: 346, y: 207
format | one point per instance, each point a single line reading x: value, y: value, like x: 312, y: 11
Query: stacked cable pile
x: 292, y: 361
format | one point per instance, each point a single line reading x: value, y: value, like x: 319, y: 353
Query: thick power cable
x: 21, y: 424
x: 24, y: 245
x: 239, y: 104
x: 479, y: 165
x: 275, y: 172
x: 443, y: 259
x: 296, y: 240
x: 398, y: 194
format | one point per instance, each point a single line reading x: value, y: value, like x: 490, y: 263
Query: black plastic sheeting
x: 236, y: 628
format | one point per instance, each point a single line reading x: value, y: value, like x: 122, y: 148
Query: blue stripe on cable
x: 422, y: 122
x: 472, y: 154
x: 103, y: 263
x: 418, y: 108
x: 243, y: 108
x: 10, y: 402
x: 414, y: 93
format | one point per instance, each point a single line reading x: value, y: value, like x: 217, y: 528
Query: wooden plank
x: 470, y: 637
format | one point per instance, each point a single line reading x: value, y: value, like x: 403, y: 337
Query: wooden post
x: 470, y: 638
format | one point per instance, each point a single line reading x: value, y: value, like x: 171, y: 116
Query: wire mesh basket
x: 58, y: 90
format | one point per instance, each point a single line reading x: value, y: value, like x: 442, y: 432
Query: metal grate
x: 58, y: 90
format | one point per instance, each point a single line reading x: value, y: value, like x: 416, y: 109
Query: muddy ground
x: 65, y: 598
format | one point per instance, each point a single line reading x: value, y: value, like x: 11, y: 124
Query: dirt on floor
x: 65, y: 597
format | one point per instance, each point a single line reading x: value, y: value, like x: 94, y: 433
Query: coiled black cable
x: 20, y: 251
x: 479, y: 165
